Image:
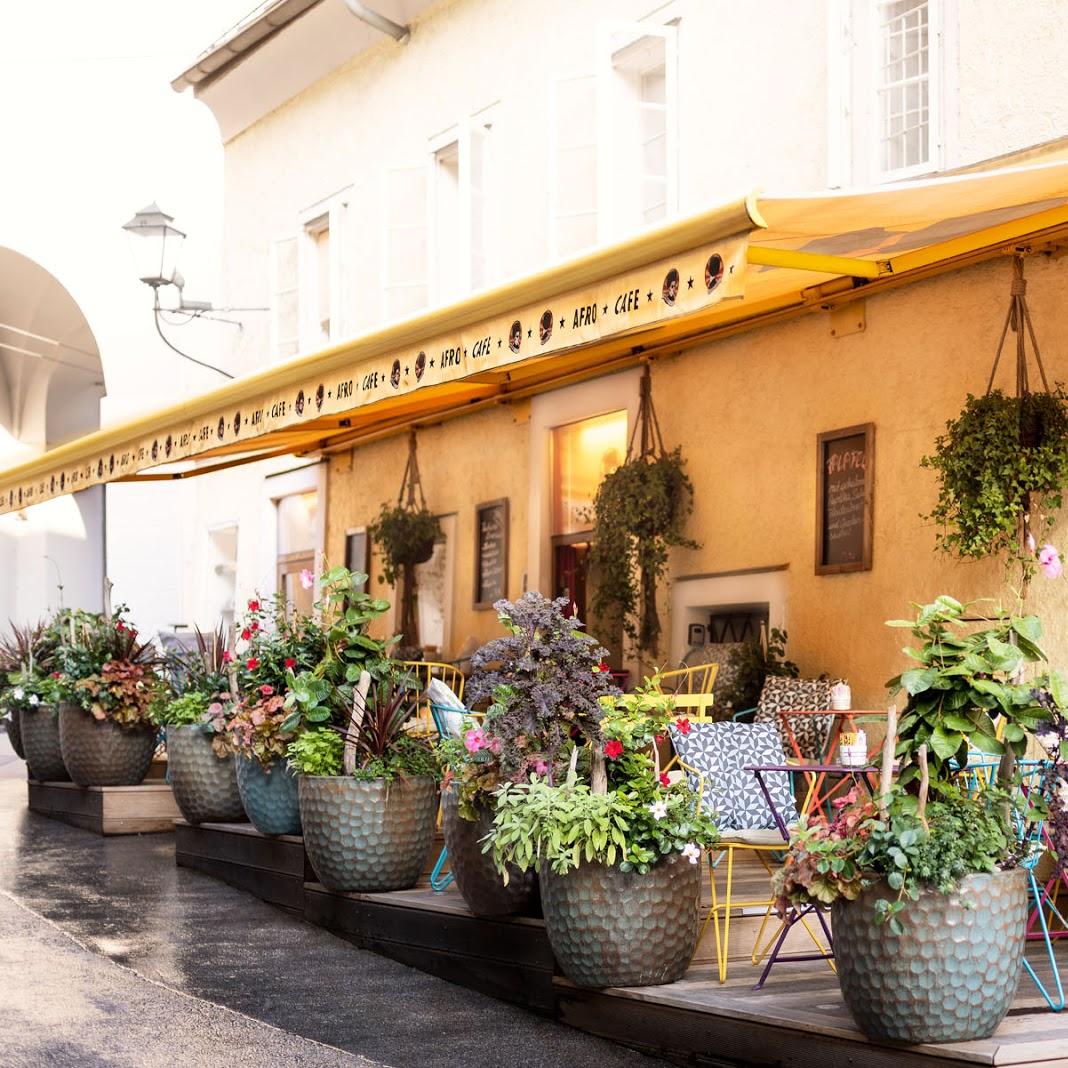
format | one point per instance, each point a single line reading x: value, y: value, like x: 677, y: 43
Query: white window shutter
x: 573, y: 164
x: 405, y: 265
x: 637, y: 76
x: 285, y: 298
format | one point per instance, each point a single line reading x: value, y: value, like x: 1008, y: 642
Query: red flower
x: 228, y: 657
x: 682, y: 724
x: 252, y: 663
x: 254, y: 606
x: 613, y: 749
x: 255, y: 626
x: 266, y: 690
x: 120, y: 625
x: 660, y: 739
x: 604, y: 667
x: 664, y: 780
x: 290, y: 662
x: 57, y: 675
x: 246, y: 634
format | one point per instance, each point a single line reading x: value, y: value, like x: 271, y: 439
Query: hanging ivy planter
x: 640, y: 512
x: 1003, y: 462
x: 406, y: 533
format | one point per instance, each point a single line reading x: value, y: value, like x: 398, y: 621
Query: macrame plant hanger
x: 1018, y: 319
x: 652, y: 442
x: 410, y: 497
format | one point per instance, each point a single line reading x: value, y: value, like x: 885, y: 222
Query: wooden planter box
x: 273, y: 867
x: 146, y: 809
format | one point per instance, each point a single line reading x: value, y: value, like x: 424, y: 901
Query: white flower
x: 17, y: 693
x: 658, y: 809
x: 691, y: 852
x: 34, y: 699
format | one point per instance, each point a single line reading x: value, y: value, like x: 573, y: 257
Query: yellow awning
x: 732, y: 268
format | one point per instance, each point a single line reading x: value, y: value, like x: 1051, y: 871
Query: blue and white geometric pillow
x: 720, y: 752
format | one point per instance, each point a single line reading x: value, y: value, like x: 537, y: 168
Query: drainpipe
x: 379, y: 22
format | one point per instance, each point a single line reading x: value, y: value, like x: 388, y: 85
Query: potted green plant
x: 108, y: 685
x: 620, y: 868
x: 254, y: 723
x: 204, y: 782
x: 367, y: 786
x: 27, y: 701
x: 928, y: 902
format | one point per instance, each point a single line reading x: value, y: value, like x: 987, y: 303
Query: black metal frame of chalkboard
x: 486, y: 506
x: 867, y: 430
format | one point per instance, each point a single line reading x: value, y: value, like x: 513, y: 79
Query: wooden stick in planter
x: 359, y: 707
x: 887, y: 774
x: 925, y: 785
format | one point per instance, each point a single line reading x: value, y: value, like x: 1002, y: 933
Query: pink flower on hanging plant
x: 1050, y: 562
x: 307, y: 579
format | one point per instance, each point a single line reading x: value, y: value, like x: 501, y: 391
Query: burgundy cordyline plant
x: 543, y: 681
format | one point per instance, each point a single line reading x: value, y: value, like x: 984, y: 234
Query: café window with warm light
x: 582, y: 454
x: 297, y: 515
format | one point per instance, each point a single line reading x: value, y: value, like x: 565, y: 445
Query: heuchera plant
x: 644, y: 816
x: 544, y: 682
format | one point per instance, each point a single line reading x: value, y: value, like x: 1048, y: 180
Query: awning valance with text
x: 736, y: 266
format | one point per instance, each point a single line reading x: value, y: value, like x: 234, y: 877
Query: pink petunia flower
x: 307, y: 579
x: 475, y: 739
x: 1050, y: 562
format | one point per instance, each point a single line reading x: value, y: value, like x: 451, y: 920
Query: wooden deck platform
x: 146, y: 809
x: 797, y: 1020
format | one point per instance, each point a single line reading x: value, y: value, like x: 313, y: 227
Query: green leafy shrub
x: 316, y: 752
x: 187, y: 710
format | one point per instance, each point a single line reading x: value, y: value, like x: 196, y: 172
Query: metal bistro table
x: 861, y: 777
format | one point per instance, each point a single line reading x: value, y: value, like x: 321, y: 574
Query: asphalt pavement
x: 110, y: 955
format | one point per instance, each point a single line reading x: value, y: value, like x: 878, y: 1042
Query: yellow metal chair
x: 698, y: 679
x: 763, y: 844
x: 423, y: 671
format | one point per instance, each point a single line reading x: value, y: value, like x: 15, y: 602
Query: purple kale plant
x: 1052, y: 734
x: 543, y: 681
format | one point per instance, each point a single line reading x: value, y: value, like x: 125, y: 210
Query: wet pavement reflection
x: 124, y: 898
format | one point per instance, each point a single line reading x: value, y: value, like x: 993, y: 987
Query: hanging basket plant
x: 405, y: 534
x: 640, y: 512
x: 1002, y: 463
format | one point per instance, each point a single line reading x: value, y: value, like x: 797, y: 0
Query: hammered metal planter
x: 476, y: 875
x: 613, y: 928
x: 269, y: 796
x: 98, y: 752
x: 951, y: 976
x: 368, y: 837
x: 40, y: 742
x: 205, y: 786
x: 14, y: 733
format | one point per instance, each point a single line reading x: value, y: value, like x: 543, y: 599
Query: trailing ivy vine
x: 640, y: 512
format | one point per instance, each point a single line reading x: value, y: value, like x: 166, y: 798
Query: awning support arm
x: 816, y: 261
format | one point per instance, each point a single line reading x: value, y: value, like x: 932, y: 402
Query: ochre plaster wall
x: 746, y: 412
x: 478, y: 458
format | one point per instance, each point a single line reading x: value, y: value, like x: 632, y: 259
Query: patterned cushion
x: 721, y: 752
x: 781, y: 694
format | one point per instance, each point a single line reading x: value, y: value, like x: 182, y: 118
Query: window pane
x: 903, y: 84
x: 582, y: 454
x: 296, y: 523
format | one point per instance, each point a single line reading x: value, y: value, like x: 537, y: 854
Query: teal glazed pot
x: 613, y: 928
x: 98, y: 752
x: 204, y: 785
x: 368, y: 837
x: 14, y: 733
x: 484, y: 891
x: 40, y: 741
x: 951, y: 976
x: 269, y: 796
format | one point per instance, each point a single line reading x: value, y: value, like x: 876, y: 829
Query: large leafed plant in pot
x: 273, y: 644
x: 618, y: 855
x: 204, y: 781
x: 368, y: 785
x: 108, y: 686
x: 27, y: 693
x: 928, y: 900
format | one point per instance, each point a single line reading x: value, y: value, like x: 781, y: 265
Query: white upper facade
x: 367, y: 179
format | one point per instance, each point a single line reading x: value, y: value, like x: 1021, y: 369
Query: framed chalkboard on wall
x: 491, y: 552
x: 845, y: 477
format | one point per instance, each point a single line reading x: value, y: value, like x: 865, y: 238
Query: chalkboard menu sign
x: 844, y: 479
x: 358, y: 552
x: 491, y: 552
